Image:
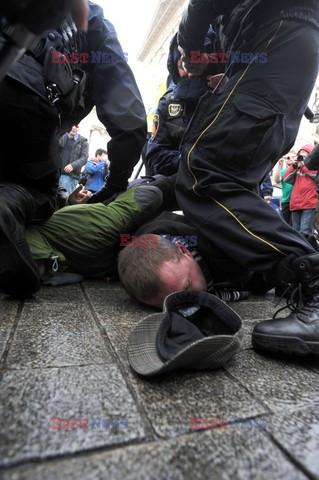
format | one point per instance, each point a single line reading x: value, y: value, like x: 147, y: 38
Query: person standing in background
x: 74, y: 154
x: 279, y: 172
x: 304, y: 198
x: 97, y: 170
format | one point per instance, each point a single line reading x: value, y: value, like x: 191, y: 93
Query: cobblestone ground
x: 63, y: 354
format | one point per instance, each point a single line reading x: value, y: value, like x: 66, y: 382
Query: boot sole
x: 289, y: 345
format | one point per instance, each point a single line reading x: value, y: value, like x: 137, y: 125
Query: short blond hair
x: 139, y: 266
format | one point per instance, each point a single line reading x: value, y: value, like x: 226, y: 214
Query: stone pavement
x: 63, y: 354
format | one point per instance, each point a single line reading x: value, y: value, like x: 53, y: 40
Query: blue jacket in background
x: 98, y: 171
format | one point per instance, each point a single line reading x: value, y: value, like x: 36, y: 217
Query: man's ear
x: 183, y: 249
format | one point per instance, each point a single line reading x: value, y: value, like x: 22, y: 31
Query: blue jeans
x: 302, y: 220
x: 68, y: 182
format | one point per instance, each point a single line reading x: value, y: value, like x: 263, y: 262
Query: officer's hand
x: 213, y: 80
x: 79, y: 196
x: 267, y: 198
x: 192, y: 69
x: 68, y: 168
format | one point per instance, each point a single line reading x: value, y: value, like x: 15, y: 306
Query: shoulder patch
x: 174, y: 109
x: 155, y: 125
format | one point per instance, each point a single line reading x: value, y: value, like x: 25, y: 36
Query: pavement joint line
x: 101, y: 329
x: 241, y: 384
x: 57, y: 457
x: 123, y: 370
x: 52, y: 367
x: 11, y: 335
x: 289, y: 456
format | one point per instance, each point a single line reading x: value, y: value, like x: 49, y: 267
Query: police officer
x: 237, y: 135
x: 172, y: 115
x: 42, y: 90
x: 176, y: 108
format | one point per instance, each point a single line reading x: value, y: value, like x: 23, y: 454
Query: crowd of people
x: 219, y: 130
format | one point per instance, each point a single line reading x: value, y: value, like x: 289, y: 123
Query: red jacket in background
x: 304, y: 194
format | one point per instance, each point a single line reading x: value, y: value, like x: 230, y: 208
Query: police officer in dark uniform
x: 40, y: 93
x: 237, y: 135
x: 175, y: 109
x: 173, y: 113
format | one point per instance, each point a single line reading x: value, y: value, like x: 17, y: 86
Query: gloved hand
x: 108, y: 191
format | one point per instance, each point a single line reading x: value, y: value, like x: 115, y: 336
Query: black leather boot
x: 18, y: 272
x: 299, y: 332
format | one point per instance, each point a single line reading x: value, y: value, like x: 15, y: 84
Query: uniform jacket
x: 201, y: 13
x: 111, y: 87
x: 173, y: 113
x: 79, y: 154
x: 304, y: 194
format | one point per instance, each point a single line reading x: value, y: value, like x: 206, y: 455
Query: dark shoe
x: 299, y: 332
x: 18, y: 271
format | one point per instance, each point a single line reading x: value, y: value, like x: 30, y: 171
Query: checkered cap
x: 204, y: 354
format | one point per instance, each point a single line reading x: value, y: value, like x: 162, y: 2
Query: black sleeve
x: 312, y: 160
x: 197, y: 18
x: 119, y: 105
x: 162, y: 157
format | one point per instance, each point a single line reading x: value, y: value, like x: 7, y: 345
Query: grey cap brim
x: 205, y: 354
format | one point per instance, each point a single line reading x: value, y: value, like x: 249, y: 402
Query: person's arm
x: 290, y: 174
x: 161, y: 155
x: 196, y: 20
x: 277, y: 169
x: 118, y: 103
x: 266, y: 188
x: 312, y: 160
x: 93, y: 167
x: 309, y: 173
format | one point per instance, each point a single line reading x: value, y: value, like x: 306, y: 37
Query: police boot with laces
x: 298, y: 333
x: 18, y: 272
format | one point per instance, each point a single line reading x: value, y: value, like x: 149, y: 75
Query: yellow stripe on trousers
x: 203, y: 133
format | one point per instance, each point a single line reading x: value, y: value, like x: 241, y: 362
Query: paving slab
x: 69, y: 294
x: 30, y: 398
x: 65, y: 357
x: 172, y: 400
x: 279, y: 383
x: 213, y: 454
x: 298, y: 434
x: 57, y: 335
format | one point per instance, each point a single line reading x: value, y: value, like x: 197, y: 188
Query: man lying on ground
x: 86, y: 239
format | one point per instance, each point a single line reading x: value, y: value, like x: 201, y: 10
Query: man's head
x: 74, y: 130
x: 101, y: 154
x: 290, y: 157
x: 151, y: 269
x: 302, y: 153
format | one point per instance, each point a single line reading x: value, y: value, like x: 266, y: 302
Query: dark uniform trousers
x: 28, y: 156
x: 234, y: 139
